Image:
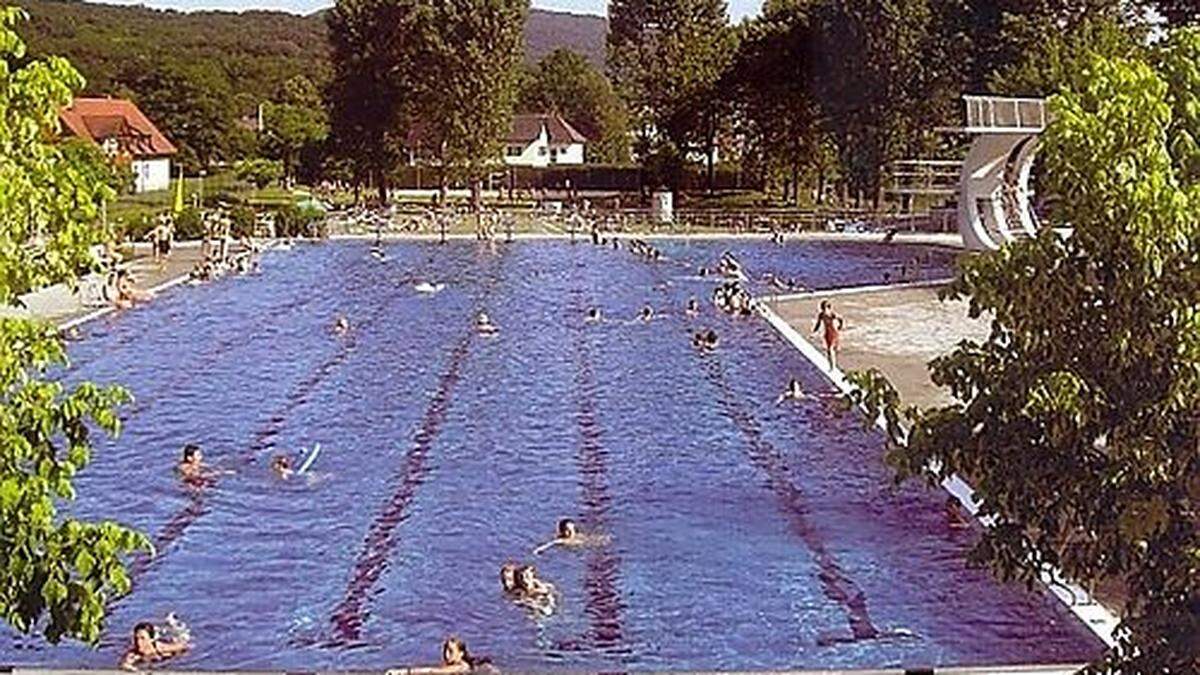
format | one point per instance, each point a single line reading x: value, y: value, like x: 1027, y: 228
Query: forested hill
x: 253, y: 52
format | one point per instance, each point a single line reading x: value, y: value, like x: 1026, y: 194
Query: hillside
x: 254, y: 51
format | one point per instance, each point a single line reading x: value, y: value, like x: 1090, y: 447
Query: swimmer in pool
x: 508, y: 578
x: 593, y: 315
x: 145, y: 648
x: 567, y: 535
x: 693, y: 307
x: 282, y: 466
x: 794, y: 392
x: 531, y: 587
x: 483, y: 323
x: 341, y: 325
x: 706, y: 340
x: 647, y: 313
x: 455, y: 659
x: 191, y: 466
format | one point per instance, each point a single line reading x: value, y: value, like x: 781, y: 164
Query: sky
x: 737, y: 8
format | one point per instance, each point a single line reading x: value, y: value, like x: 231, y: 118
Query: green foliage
x: 189, y: 224
x: 470, y: 52
x: 242, y: 220
x: 59, y: 574
x: 888, y: 74
x: 564, y: 82
x: 1087, y: 458
x: 259, y: 172
x: 371, y: 99
x: 446, y: 71
x: 1052, y: 57
x: 665, y: 59
x: 294, y: 122
x: 298, y: 221
x: 96, y: 169
x: 48, y: 200
x: 772, y: 85
x: 193, y: 104
x: 1178, y: 58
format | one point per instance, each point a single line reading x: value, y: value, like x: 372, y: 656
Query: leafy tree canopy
x: 59, y: 573
x: 1077, y: 417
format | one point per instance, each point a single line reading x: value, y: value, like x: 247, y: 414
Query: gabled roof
x: 526, y: 127
x: 99, y: 119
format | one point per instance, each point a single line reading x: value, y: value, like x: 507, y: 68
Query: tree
x: 1087, y: 459
x: 566, y: 83
x: 191, y: 103
x: 59, y: 573
x: 470, y: 53
x: 294, y: 122
x: 260, y: 172
x: 889, y: 75
x: 1041, y: 49
x: 372, y: 98
x: 772, y: 84
x: 665, y: 59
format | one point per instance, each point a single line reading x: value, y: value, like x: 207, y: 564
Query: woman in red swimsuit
x: 833, y: 326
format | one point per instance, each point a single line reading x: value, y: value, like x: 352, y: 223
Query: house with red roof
x: 543, y: 139
x: 125, y: 135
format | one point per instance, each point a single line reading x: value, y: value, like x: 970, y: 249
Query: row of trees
x: 818, y: 90
x: 437, y: 78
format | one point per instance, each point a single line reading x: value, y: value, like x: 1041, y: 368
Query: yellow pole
x: 179, y: 192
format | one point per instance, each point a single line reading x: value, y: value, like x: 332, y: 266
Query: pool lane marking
x: 1091, y: 613
x: 604, y: 604
x: 836, y: 584
x: 348, y: 617
x: 262, y: 440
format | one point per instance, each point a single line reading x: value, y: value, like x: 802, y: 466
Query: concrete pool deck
x: 896, y: 330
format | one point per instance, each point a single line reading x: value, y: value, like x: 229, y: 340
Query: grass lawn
x: 131, y: 210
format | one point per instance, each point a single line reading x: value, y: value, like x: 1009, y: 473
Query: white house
x: 125, y: 135
x: 543, y: 139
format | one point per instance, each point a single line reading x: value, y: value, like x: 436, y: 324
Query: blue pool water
x: 743, y: 534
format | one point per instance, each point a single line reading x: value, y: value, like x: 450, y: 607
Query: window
x: 515, y: 150
x: 542, y: 151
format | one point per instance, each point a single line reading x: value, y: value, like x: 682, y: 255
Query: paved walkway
x: 58, y: 304
x: 895, y: 330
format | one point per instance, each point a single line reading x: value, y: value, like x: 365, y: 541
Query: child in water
x: 146, y: 648
x: 282, y: 466
x: 455, y: 659
x: 794, y: 392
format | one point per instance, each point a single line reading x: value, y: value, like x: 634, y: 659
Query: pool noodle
x: 312, y: 457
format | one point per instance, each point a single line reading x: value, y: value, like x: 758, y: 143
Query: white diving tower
x: 993, y: 192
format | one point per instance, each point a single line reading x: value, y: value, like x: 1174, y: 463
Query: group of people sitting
x: 220, y: 261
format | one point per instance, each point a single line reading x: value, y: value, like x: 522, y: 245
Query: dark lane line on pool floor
x: 836, y: 585
x: 222, y: 349
x: 349, y: 615
x: 604, y: 603
x: 347, y: 618
x: 262, y: 440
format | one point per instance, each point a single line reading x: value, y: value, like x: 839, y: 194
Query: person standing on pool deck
x: 833, y: 324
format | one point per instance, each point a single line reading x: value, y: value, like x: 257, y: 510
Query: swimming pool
x: 743, y: 534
